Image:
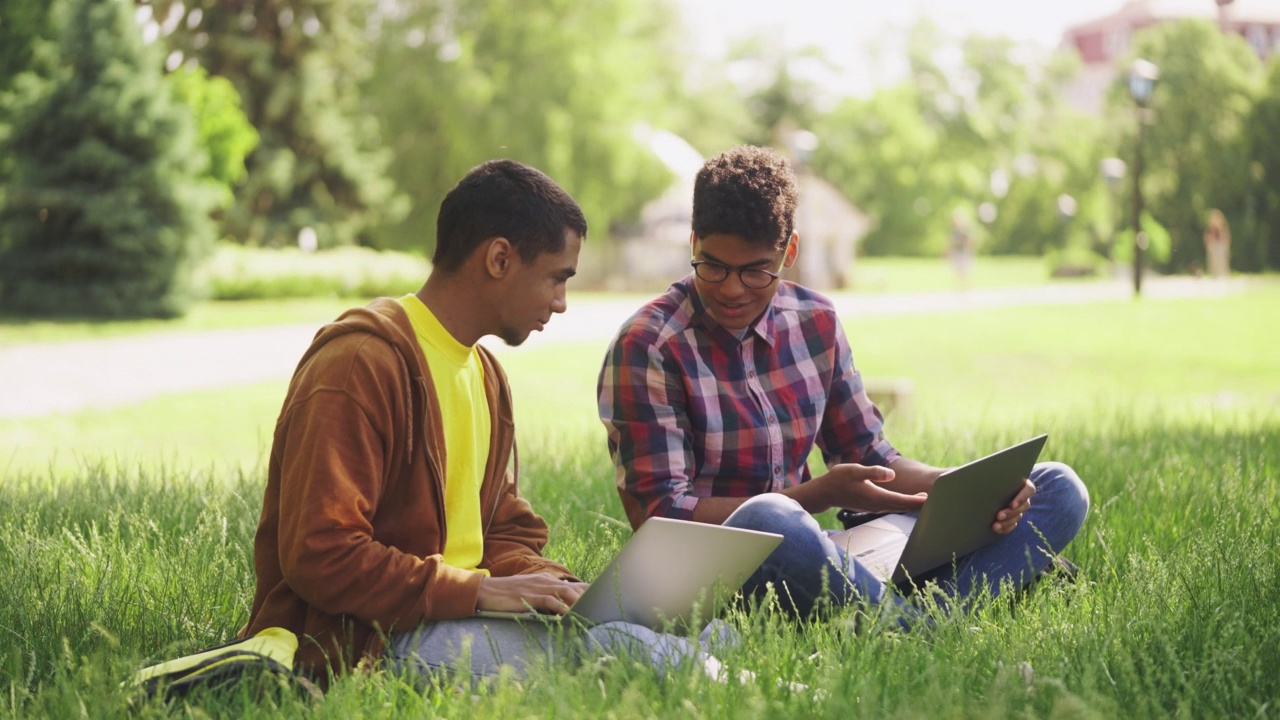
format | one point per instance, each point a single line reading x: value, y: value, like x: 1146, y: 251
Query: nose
x: 560, y: 303
x: 732, y: 286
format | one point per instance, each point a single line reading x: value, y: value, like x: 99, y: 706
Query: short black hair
x: 504, y: 198
x: 746, y: 191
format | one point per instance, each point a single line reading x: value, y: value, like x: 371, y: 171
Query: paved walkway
x: 49, y: 378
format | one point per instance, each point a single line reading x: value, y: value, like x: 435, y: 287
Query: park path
x: 48, y: 378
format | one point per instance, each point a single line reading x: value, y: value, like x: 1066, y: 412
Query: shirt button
x: 751, y: 373
x: 777, y: 470
x: 772, y: 419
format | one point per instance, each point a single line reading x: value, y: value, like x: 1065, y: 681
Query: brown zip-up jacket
x: 349, y: 545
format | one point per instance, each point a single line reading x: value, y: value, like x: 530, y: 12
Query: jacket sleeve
x: 514, y: 540
x: 334, y: 465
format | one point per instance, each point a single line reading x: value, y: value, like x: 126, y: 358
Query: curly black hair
x: 747, y: 191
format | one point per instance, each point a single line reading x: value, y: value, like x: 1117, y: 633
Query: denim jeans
x: 483, y: 646
x: 808, y: 567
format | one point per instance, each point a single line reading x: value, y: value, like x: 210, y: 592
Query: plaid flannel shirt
x: 692, y: 411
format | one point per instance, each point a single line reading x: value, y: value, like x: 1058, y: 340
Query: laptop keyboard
x: 880, y: 559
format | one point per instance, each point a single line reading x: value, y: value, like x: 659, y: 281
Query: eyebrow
x: 763, y: 262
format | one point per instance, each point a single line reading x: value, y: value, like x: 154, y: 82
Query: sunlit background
x: 1010, y: 128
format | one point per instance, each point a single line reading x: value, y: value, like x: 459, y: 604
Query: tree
x: 557, y: 84
x: 221, y: 126
x: 298, y: 66
x: 881, y: 153
x: 988, y: 136
x: 23, y: 24
x: 778, y: 94
x: 1264, y: 128
x: 105, y: 212
x: 26, y: 29
x: 1196, y: 150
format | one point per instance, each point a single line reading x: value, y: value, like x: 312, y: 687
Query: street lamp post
x: 1066, y: 213
x: 1113, y: 170
x: 1142, y: 81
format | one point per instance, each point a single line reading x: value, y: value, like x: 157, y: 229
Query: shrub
x: 1074, y: 260
x: 240, y: 273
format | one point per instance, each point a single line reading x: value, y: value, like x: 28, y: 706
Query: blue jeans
x: 483, y: 646
x: 808, y: 569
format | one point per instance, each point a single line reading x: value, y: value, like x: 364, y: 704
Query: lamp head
x: 1142, y: 81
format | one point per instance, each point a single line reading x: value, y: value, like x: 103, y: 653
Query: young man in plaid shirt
x: 714, y: 393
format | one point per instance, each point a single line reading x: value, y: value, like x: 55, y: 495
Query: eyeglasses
x: 714, y: 272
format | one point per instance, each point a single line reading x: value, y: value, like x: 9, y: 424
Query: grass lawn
x: 127, y: 536
x: 204, y: 316
x: 911, y: 274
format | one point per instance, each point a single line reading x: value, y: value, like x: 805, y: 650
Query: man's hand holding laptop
x: 1007, y: 519
x: 910, y: 479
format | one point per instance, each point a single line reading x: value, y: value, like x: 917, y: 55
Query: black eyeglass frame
x: 742, y: 273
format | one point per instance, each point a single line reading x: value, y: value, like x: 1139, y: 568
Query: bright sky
x: 846, y: 29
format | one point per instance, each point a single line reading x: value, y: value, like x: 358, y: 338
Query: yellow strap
x: 274, y: 642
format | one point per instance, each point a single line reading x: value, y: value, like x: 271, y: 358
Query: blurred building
x: 655, y: 252
x: 1105, y: 42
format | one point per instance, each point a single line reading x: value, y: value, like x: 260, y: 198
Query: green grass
x: 203, y: 316
x: 973, y: 368
x: 1168, y: 410
x: 911, y: 274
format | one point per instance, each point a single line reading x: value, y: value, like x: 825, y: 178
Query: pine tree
x: 22, y: 24
x: 104, y: 213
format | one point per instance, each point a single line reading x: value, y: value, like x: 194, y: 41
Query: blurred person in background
x: 1217, y: 244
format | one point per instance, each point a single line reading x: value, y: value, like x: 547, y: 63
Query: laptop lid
x: 957, y: 517
x: 675, y: 571
x: 670, y: 573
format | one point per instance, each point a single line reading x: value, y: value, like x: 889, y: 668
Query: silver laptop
x: 670, y: 574
x: 955, y: 521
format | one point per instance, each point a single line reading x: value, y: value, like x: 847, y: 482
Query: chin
x: 514, y: 338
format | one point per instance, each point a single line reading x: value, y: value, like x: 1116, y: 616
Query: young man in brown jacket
x: 392, y: 513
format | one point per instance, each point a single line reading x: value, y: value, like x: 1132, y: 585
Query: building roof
x: 1137, y: 13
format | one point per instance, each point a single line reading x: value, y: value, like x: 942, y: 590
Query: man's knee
x: 770, y: 512
x: 1059, y: 486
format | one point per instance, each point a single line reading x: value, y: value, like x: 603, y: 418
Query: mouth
x: 733, y: 311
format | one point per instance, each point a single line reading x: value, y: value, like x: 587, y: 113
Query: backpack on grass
x: 268, y: 652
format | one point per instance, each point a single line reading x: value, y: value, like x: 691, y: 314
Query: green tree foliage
x: 26, y: 29
x: 221, y: 126
x: 105, y: 211
x: 779, y: 97
x: 298, y: 66
x: 989, y: 130
x: 1196, y: 149
x: 23, y: 23
x: 1264, y: 130
x: 881, y: 152
x: 557, y: 84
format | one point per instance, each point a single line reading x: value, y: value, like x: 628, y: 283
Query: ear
x: 693, y: 243
x: 499, y: 257
x: 793, y: 249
